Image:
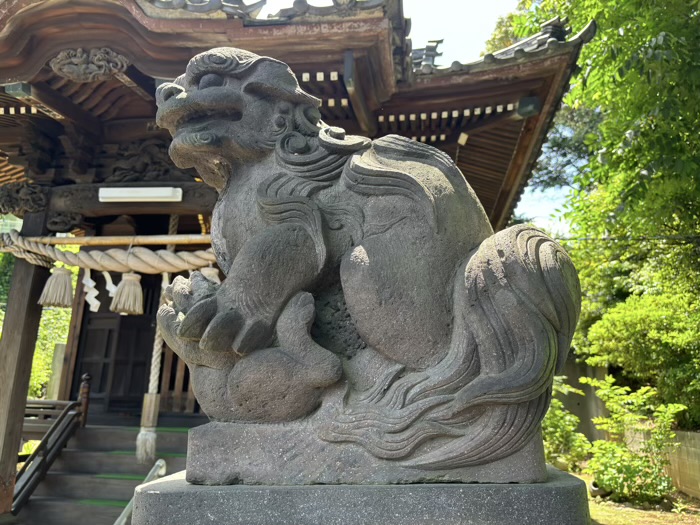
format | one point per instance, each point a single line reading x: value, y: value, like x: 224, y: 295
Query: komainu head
x: 231, y: 107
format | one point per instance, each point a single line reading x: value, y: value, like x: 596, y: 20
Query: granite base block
x: 294, y: 453
x: 561, y: 500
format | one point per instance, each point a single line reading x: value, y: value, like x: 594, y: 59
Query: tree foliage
x: 632, y: 462
x: 563, y: 445
x: 53, y: 329
x: 627, y: 144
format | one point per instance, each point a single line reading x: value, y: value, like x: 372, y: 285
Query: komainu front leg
x: 271, y: 385
x: 267, y: 272
x: 181, y: 298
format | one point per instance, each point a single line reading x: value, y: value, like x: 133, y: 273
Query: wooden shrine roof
x: 490, y: 115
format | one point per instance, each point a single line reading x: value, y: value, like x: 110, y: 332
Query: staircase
x: 95, y: 476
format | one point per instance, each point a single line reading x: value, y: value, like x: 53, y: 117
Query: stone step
x: 94, y: 477
x: 124, y: 438
x: 88, y: 486
x: 112, y: 462
x: 59, y: 511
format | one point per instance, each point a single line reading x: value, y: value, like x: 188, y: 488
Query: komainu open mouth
x: 205, y: 116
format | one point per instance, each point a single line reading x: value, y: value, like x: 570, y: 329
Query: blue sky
x: 465, y: 26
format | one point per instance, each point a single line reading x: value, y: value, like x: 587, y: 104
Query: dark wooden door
x: 131, y: 363
x: 116, y: 351
x: 96, y: 351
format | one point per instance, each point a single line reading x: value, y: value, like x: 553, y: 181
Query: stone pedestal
x: 172, y: 501
x: 294, y: 453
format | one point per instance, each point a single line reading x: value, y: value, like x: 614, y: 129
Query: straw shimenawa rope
x: 136, y: 259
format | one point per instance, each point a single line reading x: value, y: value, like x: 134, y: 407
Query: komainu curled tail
x: 516, y: 305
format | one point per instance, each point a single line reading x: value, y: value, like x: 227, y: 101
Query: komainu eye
x: 211, y: 80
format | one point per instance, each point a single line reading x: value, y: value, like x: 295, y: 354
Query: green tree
x: 7, y: 265
x: 53, y: 329
x: 627, y: 145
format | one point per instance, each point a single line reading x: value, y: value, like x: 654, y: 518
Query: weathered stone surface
x: 172, y: 501
x: 363, y: 277
x: 295, y: 453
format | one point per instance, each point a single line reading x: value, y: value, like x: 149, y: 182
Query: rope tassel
x: 58, y: 290
x: 128, y: 298
x: 146, y: 442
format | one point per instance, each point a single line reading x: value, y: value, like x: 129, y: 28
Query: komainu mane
x: 358, y: 270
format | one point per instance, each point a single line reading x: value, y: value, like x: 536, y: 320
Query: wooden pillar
x: 16, y: 352
x: 70, y: 356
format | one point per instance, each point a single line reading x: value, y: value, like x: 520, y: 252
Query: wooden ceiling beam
x: 143, y: 85
x: 11, y: 135
x: 53, y: 104
x: 358, y: 99
x: 527, y: 107
x: 197, y: 198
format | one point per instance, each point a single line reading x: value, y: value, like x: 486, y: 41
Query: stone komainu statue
x: 362, y: 268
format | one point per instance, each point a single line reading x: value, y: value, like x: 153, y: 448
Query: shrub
x: 563, y: 445
x: 631, y: 462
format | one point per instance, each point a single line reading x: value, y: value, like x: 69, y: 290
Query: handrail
x: 157, y: 471
x: 47, y: 437
x: 34, y: 469
x: 48, y: 402
x: 73, y: 415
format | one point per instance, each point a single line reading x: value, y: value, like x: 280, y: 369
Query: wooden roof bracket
x: 54, y: 105
x: 527, y: 107
x: 141, y: 84
x: 358, y: 99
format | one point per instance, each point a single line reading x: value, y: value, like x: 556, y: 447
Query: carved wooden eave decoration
x: 80, y: 65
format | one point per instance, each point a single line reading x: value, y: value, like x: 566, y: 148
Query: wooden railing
x: 40, y: 414
x: 176, y: 393
x: 62, y: 419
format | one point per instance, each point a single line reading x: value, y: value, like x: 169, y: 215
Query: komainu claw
x: 197, y: 319
x: 221, y: 332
